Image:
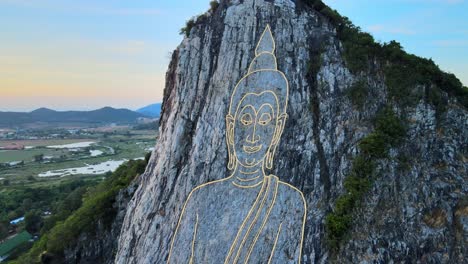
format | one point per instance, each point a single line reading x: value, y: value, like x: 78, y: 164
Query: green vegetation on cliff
x: 404, y: 72
x: 389, y: 132
x: 214, y: 4
x: 409, y: 80
x: 97, y: 206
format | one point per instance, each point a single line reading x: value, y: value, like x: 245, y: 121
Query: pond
x: 94, y: 169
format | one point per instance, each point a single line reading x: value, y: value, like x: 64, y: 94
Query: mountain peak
x: 43, y: 110
x: 106, y: 108
x: 152, y: 110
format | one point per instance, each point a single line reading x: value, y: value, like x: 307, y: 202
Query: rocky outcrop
x: 416, y: 210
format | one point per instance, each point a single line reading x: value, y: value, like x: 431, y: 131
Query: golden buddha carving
x: 249, y: 216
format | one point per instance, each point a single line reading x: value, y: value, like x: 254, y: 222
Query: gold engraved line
x: 264, y: 222
x: 261, y: 37
x: 260, y: 108
x: 257, y: 94
x: 247, y: 186
x: 276, y: 241
x: 183, y: 211
x: 263, y: 52
x: 244, y: 222
x: 276, y: 70
x: 253, y: 222
x: 247, y: 180
x: 255, y: 148
x: 261, y: 70
x: 303, y: 220
x: 193, y: 239
x: 244, y: 172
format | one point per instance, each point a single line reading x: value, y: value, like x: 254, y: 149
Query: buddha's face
x: 256, y: 127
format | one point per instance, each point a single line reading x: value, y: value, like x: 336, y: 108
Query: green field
x: 28, y: 155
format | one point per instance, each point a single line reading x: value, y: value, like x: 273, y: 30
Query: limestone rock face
x: 410, y: 215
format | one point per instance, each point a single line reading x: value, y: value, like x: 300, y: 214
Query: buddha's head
x: 257, y: 111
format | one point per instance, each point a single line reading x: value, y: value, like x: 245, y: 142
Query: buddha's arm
x: 289, y: 238
x: 183, y: 241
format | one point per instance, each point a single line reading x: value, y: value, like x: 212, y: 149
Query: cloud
x: 379, y: 28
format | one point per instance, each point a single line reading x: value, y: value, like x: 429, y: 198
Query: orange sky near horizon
x: 116, y: 74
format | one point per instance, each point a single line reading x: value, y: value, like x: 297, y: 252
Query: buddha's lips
x: 252, y: 149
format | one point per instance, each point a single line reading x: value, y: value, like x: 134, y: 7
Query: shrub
x: 188, y: 27
x: 198, y: 19
x: 358, y: 93
x: 373, y: 145
x: 390, y: 126
x: 214, y: 5
x: 336, y: 227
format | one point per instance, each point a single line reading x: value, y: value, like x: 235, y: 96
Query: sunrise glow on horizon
x: 69, y: 55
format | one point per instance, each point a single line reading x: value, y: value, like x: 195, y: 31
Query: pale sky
x: 65, y: 54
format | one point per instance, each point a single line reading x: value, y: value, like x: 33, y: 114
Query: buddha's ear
x: 280, y: 122
x: 230, y: 129
x: 230, y: 141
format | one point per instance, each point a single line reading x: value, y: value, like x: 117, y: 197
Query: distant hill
x: 152, y: 110
x: 45, y: 115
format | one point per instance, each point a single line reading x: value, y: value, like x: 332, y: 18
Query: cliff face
x: 416, y: 209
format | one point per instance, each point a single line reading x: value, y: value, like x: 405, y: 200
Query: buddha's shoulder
x: 209, y: 187
x: 291, y: 194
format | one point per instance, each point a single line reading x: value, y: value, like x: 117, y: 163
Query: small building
x: 7, y: 247
x: 17, y: 220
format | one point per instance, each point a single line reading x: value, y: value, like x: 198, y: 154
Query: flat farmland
x: 42, y: 142
x: 107, y: 150
x: 27, y: 155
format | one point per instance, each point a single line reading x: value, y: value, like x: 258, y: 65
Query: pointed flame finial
x: 264, y: 52
x: 266, y: 42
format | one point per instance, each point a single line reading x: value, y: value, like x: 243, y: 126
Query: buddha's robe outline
x: 271, y: 230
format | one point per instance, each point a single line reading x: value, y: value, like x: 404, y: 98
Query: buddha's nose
x: 252, y: 138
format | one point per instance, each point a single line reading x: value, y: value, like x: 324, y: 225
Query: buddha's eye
x: 264, y: 119
x: 246, y: 119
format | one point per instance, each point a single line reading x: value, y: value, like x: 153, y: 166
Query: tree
x: 39, y: 157
x: 27, y: 204
x: 3, y: 229
x: 33, y: 222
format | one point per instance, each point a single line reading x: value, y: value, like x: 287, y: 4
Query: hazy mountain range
x: 102, y: 115
x: 152, y: 110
